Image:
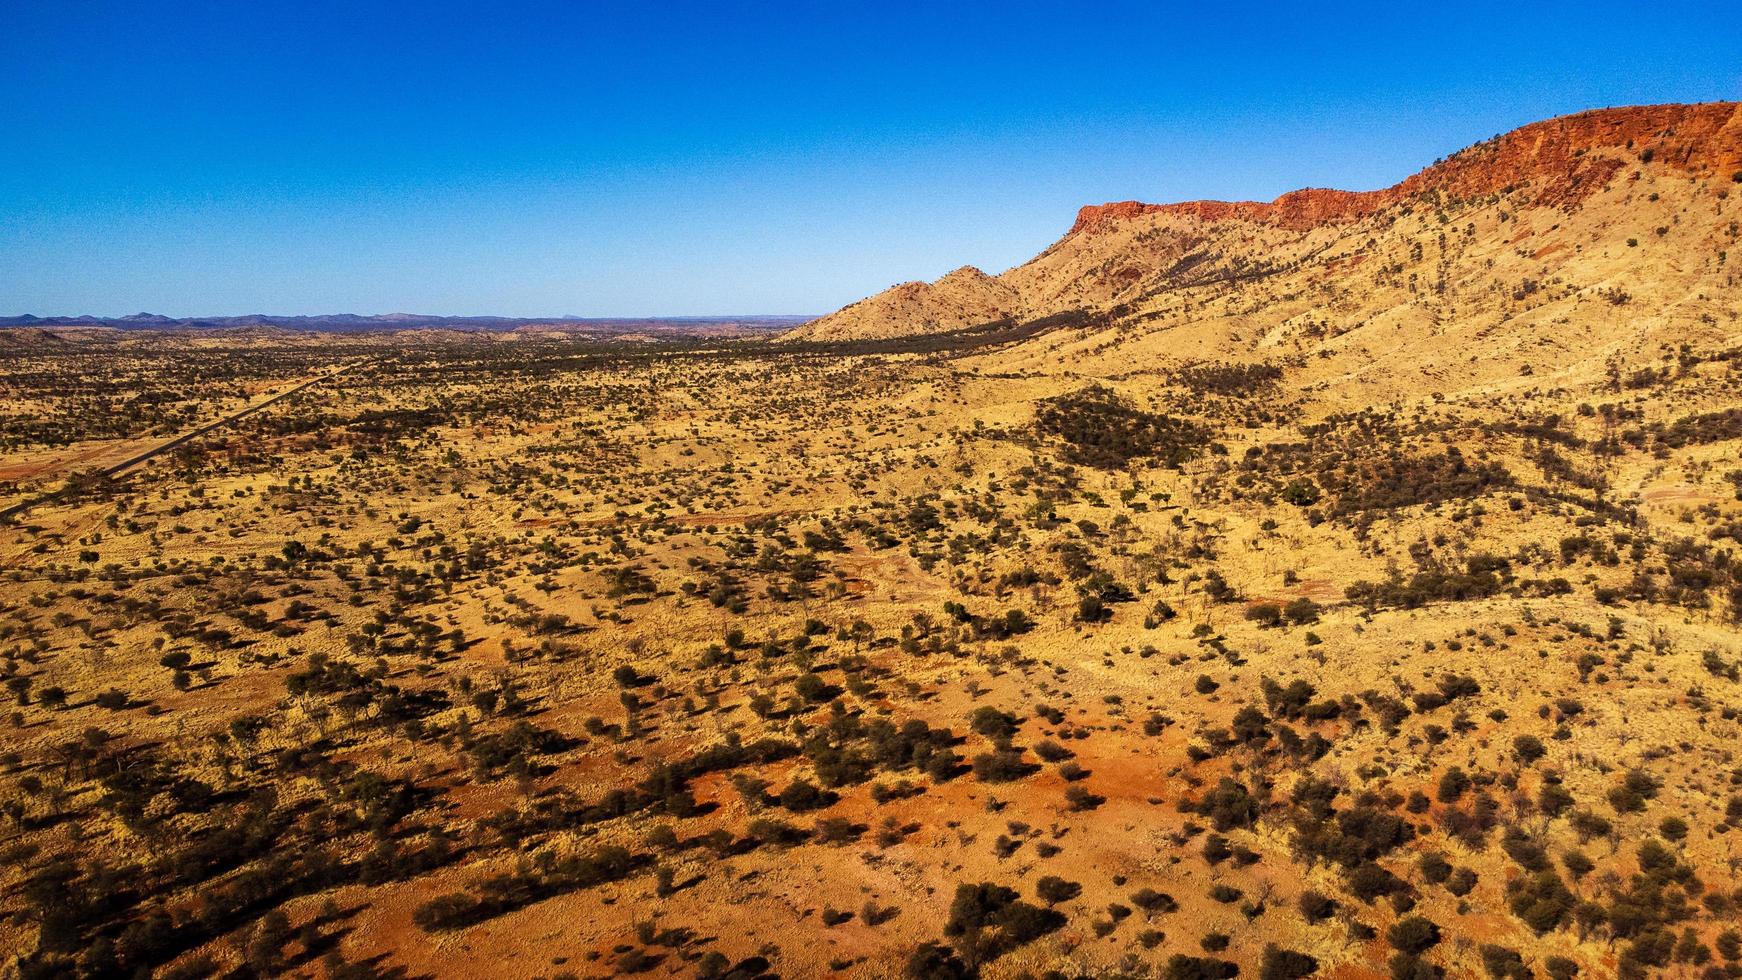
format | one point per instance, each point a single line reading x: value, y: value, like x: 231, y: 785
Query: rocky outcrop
x: 1561, y: 159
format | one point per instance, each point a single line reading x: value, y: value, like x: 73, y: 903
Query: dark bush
x: 1183, y: 967
x: 988, y: 920
x: 1285, y: 964
x: 1052, y: 889
x: 1413, y: 935
x: 1102, y: 430
x: 1316, y: 907
x: 1002, y: 766
x: 1229, y: 805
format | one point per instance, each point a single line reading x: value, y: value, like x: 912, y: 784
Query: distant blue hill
x: 355, y: 323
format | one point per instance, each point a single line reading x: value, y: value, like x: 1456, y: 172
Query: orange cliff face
x: 1297, y: 209
x: 1562, y: 160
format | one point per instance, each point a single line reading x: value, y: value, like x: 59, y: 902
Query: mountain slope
x: 1586, y: 213
x: 964, y: 298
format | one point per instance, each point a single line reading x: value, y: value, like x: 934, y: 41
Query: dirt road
x: 117, y: 469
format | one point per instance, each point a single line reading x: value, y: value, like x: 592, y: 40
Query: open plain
x: 1344, y: 586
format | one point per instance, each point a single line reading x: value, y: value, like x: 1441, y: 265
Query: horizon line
x: 558, y: 318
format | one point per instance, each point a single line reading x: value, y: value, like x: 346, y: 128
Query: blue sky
x: 673, y: 158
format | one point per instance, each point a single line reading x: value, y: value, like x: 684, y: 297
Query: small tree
x: 1052, y: 889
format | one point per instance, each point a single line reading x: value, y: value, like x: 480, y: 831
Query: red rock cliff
x: 1559, y: 161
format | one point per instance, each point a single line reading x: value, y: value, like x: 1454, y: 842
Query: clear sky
x: 643, y: 158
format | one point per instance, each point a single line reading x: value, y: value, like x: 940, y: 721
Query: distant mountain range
x: 355, y: 323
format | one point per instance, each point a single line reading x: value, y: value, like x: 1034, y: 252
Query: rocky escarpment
x: 1119, y: 253
x: 1561, y: 161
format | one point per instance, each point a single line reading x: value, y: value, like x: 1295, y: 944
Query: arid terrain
x: 1346, y: 586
